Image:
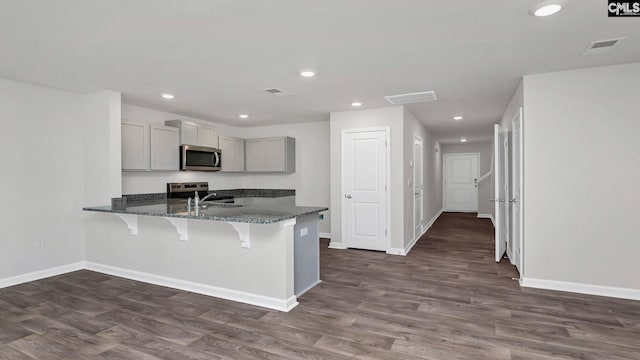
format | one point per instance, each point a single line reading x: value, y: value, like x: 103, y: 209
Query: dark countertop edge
x: 308, y: 211
x: 267, y: 193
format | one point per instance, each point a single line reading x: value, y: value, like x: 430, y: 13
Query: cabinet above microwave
x: 195, y: 134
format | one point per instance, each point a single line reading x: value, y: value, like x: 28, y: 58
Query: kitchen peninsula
x: 259, y: 249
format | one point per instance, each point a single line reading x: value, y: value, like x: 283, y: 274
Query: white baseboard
x: 405, y: 251
x: 335, y: 245
x: 325, y: 235
x: 234, y: 295
x: 396, y: 251
x: 616, y: 292
x: 41, y: 274
x: 433, y: 219
x: 487, y: 216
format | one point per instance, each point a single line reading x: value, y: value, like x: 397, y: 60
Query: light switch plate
x: 304, y: 231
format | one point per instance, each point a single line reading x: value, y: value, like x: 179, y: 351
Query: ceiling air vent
x: 277, y: 92
x: 412, y: 98
x: 602, y: 46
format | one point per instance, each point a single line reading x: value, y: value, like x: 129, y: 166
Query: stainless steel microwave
x: 200, y: 158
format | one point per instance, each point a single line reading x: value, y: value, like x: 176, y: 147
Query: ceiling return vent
x: 412, y: 98
x: 602, y: 46
x: 277, y: 92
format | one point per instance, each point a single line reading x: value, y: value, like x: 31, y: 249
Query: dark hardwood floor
x: 447, y: 299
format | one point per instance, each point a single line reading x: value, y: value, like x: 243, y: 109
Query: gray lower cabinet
x: 275, y: 154
x: 306, y: 250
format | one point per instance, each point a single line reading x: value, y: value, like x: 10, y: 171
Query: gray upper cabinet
x: 232, y: 154
x: 149, y: 147
x: 195, y: 134
x: 165, y: 144
x: 135, y: 146
x: 276, y: 154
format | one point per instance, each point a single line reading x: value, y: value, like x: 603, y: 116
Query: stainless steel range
x: 188, y: 190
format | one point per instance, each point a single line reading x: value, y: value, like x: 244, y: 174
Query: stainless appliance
x: 200, y: 158
x: 188, y: 190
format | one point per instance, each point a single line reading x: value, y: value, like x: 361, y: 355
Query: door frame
x: 387, y: 131
x: 520, y: 204
x: 444, y: 179
x: 416, y: 139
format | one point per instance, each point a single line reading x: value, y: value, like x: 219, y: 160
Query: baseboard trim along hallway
x: 405, y: 251
x: 608, y: 291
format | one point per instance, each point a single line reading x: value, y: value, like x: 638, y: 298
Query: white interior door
x: 461, y: 182
x: 516, y: 189
x: 418, y: 187
x: 501, y: 232
x: 364, y: 171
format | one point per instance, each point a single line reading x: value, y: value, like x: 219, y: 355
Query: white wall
x: 311, y: 179
x: 582, y: 172
x: 432, y: 175
x: 391, y: 117
x: 485, y: 189
x: 516, y: 102
x: 43, y: 156
x: 102, y: 148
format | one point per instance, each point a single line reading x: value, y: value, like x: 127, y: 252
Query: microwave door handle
x: 216, y: 159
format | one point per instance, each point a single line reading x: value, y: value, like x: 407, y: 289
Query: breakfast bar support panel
x: 210, y: 263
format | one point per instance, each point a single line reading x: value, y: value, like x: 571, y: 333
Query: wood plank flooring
x: 447, y: 300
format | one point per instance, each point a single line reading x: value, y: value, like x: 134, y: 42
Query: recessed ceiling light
x: 356, y: 104
x: 547, y: 8
x: 307, y: 73
x: 457, y: 117
x: 244, y: 116
x: 168, y: 96
x: 463, y: 140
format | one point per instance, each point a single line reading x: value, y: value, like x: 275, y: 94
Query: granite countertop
x: 254, y: 214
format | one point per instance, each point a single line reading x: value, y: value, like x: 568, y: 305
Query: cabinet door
x: 135, y: 146
x: 255, y: 154
x: 232, y: 154
x: 238, y: 149
x: 165, y: 148
x: 275, y: 154
x: 208, y: 136
x: 189, y: 134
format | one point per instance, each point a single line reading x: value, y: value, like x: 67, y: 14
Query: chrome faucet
x: 208, y: 196
x: 198, y: 201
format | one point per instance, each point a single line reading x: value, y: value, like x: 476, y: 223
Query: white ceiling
x: 217, y: 56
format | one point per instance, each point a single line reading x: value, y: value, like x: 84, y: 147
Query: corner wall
x: 582, y: 172
x: 43, y: 154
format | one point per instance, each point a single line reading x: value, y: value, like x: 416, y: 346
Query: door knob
x: 492, y: 200
x: 514, y: 200
x: 501, y: 200
x: 348, y: 196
